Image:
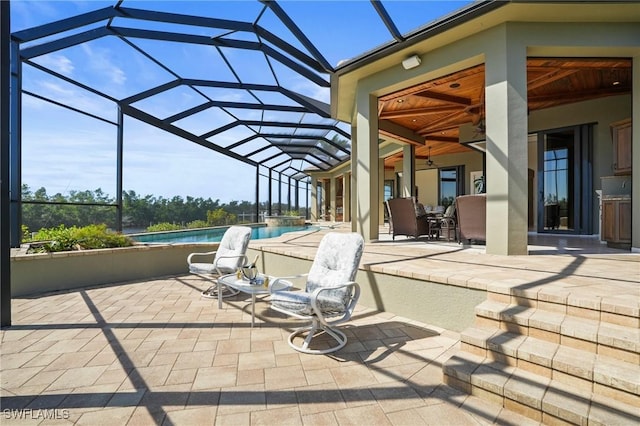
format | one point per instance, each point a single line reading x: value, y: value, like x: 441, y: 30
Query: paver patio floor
x: 154, y: 352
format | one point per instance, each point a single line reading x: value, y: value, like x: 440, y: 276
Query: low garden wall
x: 45, y: 272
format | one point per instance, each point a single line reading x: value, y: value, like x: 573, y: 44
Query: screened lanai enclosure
x: 233, y: 86
x: 212, y: 99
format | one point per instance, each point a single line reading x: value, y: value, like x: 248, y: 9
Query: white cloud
x: 100, y: 62
x: 68, y: 95
x: 58, y: 63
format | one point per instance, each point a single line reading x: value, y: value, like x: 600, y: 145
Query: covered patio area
x: 155, y: 352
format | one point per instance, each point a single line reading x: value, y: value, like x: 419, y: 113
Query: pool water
x: 215, y: 235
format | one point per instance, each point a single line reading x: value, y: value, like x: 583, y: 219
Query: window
x: 388, y: 189
x: 451, y: 184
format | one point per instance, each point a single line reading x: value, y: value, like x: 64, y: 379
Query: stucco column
x: 353, y: 198
x: 380, y: 191
x: 332, y: 198
x: 506, y: 132
x: 314, y: 199
x: 367, y: 170
x: 408, y: 170
x: 635, y: 152
x: 346, y: 197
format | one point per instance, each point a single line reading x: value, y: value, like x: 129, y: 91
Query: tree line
x: 80, y: 208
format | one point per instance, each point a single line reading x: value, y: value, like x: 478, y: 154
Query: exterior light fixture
x: 411, y: 62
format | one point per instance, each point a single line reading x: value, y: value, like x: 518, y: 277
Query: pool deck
x: 154, y: 352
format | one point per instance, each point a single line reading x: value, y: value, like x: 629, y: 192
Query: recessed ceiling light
x: 615, y: 83
x: 400, y: 101
x: 454, y: 85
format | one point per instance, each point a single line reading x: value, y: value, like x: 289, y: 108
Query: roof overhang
x: 464, y: 23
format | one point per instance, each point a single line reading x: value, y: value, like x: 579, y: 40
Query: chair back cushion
x: 450, y: 211
x: 234, y: 243
x: 336, y: 262
x: 403, y: 216
x: 472, y: 219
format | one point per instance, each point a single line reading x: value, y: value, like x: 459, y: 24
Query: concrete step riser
x: 627, y: 318
x: 603, y: 340
x: 572, y: 375
x: 541, y: 399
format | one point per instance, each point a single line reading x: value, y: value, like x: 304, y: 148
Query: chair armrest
x: 272, y: 282
x: 448, y: 221
x: 234, y: 256
x: 316, y: 293
x: 192, y: 255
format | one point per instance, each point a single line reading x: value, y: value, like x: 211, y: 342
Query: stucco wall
x: 39, y: 273
x: 442, y: 305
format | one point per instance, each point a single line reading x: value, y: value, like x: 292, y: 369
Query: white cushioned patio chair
x: 227, y: 259
x: 330, y: 294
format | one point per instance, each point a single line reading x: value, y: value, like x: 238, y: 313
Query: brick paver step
x: 616, y: 307
x: 603, y: 370
x: 550, y: 399
x: 588, y: 330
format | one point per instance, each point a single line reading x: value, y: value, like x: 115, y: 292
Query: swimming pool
x: 214, y: 235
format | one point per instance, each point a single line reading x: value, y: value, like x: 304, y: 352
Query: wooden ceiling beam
x: 444, y: 123
x: 452, y: 99
x: 575, y: 96
x: 386, y: 115
x: 400, y: 137
x: 549, y: 77
x: 436, y: 138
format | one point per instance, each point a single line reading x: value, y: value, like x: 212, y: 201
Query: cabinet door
x: 608, y: 220
x: 622, y: 149
x: 624, y: 221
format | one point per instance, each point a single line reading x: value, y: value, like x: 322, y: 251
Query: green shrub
x: 26, y: 235
x: 164, y: 226
x: 220, y: 217
x: 294, y: 213
x: 197, y: 224
x: 74, y: 238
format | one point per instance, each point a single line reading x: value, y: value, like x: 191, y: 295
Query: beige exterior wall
x: 447, y: 306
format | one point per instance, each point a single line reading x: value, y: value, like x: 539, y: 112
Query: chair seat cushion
x: 208, y: 268
x: 299, y: 302
x: 202, y: 268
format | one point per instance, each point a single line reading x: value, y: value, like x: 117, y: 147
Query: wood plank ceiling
x: 435, y: 109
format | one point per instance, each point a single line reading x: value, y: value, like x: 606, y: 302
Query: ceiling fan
x: 430, y: 162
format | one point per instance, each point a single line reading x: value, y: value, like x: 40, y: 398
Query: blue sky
x: 64, y: 150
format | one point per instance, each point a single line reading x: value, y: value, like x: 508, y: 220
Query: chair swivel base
x: 212, y: 292
x: 312, y: 331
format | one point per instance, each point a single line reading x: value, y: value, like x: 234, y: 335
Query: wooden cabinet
x: 616, y: 222
x: 621, y: 137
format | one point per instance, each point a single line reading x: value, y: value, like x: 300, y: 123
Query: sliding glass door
x: 564, y: 180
